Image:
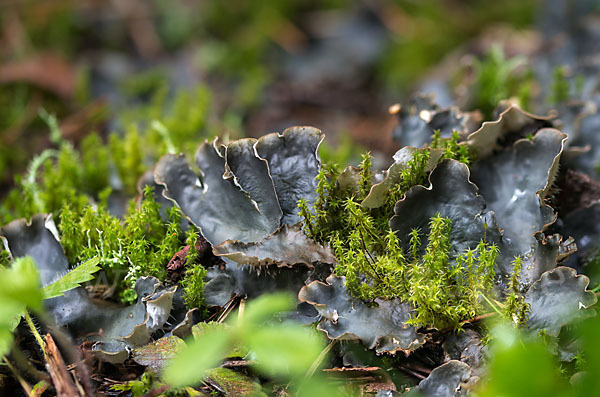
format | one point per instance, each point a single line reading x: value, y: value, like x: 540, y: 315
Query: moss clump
x: 148, y: 384
x: 80, y: 176
x: 452, y: 149
x: 57, y: 177
x: 234, y: 383
x: 5, y: 258
x: 444, y: 292
x: 328, y: 219
x: 498, y: 78
x: 140, y: 245
x: 193, y: 279
x: 515, y: 307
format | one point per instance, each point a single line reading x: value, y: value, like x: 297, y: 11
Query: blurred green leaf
x: 200, y: 355
x: 285, y: 350
x: 20, y: 285
x: 521, y: 366
x: 264, y: 308
x: 19, y: 288
x: 319, y: 386
x: 590, y: 382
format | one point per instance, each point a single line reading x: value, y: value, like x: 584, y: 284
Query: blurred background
x: 236, y: 68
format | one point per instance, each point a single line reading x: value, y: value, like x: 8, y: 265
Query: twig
x: 227, y: 311
x: 61, y: 378
x: 225, y: 306
x: 76, y: 357
x: 418, y: 368
x: 478, y: 318
x: 242, y: 308
x: 413, y: 373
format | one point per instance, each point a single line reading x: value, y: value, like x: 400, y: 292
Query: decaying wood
x: 61, y: 378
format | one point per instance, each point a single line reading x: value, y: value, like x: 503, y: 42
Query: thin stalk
x: 165, y: 135
x: 35, y: 332
x: 26, y: 386
x: 319, y: 360
x: 493, y: 306
x: 372, y: 260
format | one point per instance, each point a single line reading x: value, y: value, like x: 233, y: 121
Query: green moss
x: 193, y: 279
x: 497, y: 78
x: 234, y: 383
x: 5, y: 258
x: 515, y: 307
x: 140, y: 245
x: 559, y: 90
x: 95, y: 163
x: 368, y: 251
x: 452, y: 149
x: 443, y: 294
x: 128, y: 157
x: 327, y: 219
x: 182, y: 115
x: 148, y: 384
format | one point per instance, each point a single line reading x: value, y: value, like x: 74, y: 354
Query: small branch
x: 61, y: 378
x: 478, y: 318
x: 242, y: 308
x: 228, y: 310
x: 413, y: 373
x: 216, y: 315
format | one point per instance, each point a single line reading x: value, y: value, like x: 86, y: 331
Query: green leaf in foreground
x: 190, y: 365
x: 521, y: 366
x: 285, y: 350
x: 263, y: 308
x: 73, y: 279
x: 19, y: 288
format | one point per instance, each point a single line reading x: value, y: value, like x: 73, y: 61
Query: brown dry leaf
x: 46, y: 71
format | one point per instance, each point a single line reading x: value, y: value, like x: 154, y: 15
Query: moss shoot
x: 444, y: 291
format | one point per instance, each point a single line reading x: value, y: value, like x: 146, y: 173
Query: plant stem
x: 26, y: 386
x: 491, y: 304
x: 35, y: 332
x: 319, y: 360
